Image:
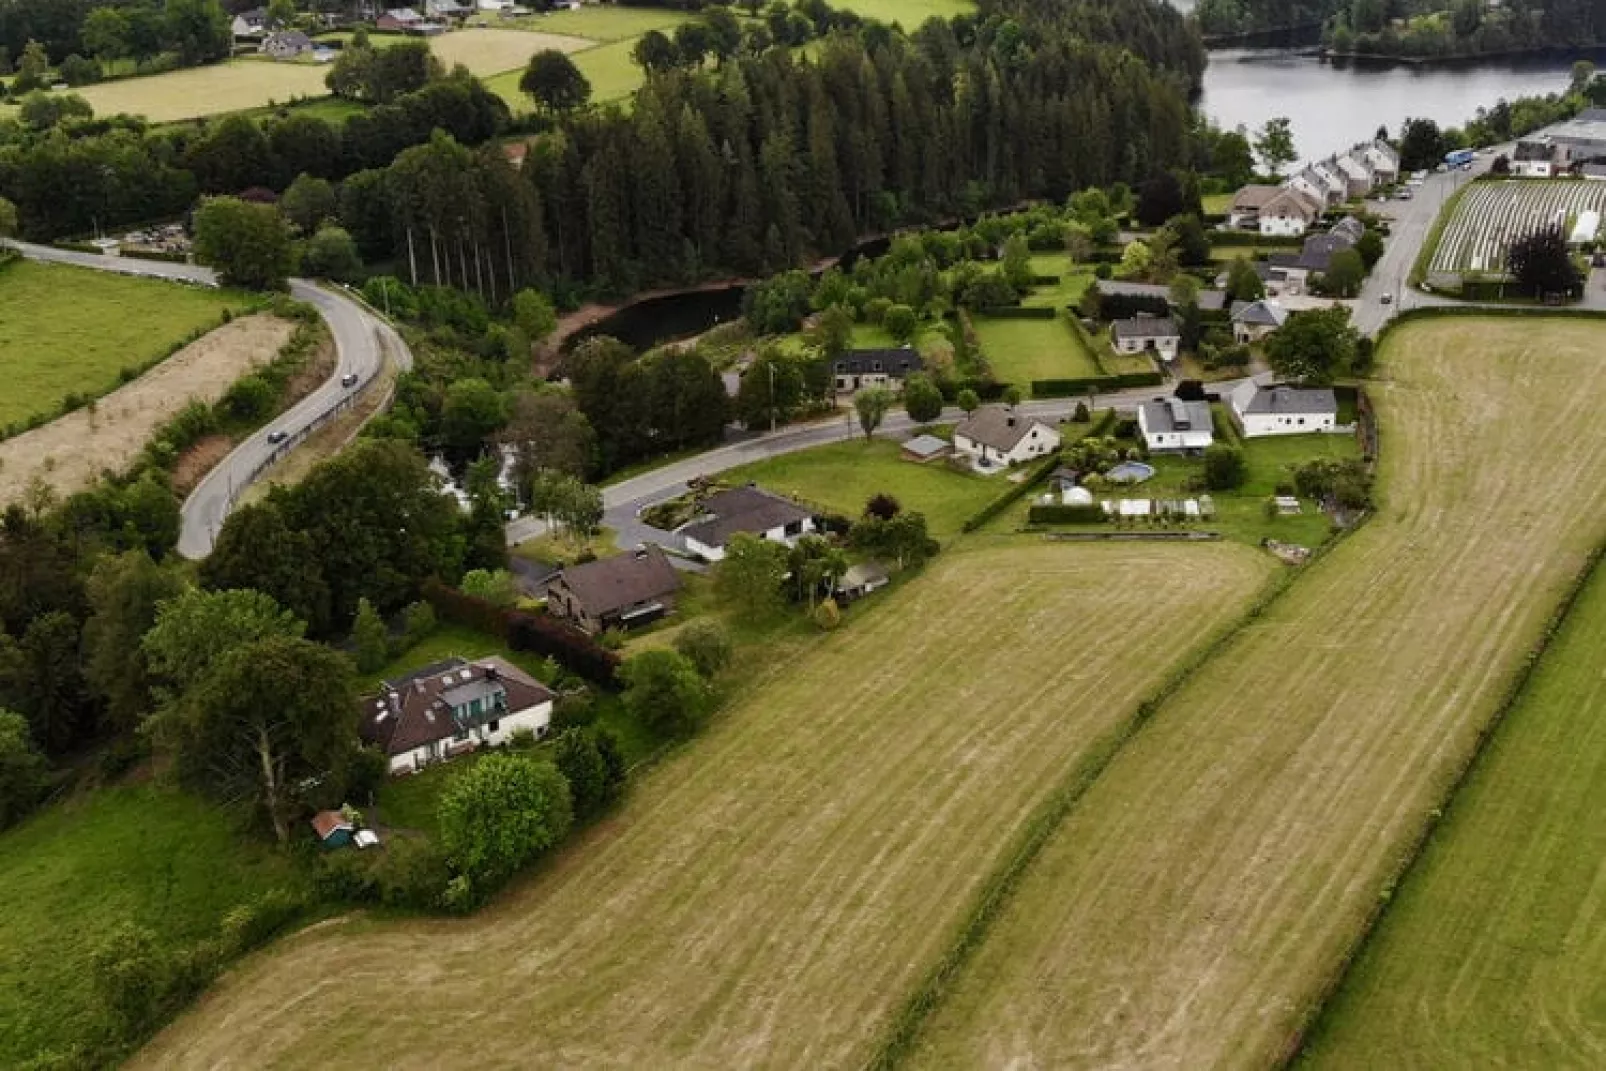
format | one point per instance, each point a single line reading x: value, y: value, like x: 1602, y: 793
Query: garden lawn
x: 1020, y: 351
x: 1196, y: 902
x: 76, y: 871
x: 234, y: 86
x: 1074, y: 281
x: 842, y: 477
x: 602, y: 22
x: 1490, y: 953
x: 767, y: 894
x: 67, y: 330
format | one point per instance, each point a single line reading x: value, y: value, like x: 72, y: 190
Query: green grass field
x: 1074, y: 281
x: 1491, y: 953
x: 843, y: 476
x: 767, y: 894
x: 1020, y: 351
x: 73, y: 873
x: 612, y: 72
x: 600, y: 22
x: 1194, y: 903
x: 71, y: 330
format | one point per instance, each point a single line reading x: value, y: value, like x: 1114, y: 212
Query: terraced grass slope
x: 769, y: 895
x: 1492, y: 952
x: 1195, y: 902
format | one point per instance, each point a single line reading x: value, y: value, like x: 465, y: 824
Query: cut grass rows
x: 1192, y: 906
x: 1491, y: 950
x: 771, y: 894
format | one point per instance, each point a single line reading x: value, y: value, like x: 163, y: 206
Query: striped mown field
x: 1196, y: 903
x: 769, y: 895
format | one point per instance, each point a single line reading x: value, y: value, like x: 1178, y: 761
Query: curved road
x: 362, y: 340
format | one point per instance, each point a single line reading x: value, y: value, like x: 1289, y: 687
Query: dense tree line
x: 190, y: 31
x: 1463, y: 27
x: 1152, y: 30
x: 1255, y: 16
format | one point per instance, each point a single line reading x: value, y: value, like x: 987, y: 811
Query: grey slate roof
x: 1259, y: 313
x: 1174, y: 414
x: 998, y: 427
x: 1146, y: 327
x: 896, y: 363
x: 925, y: 446
x: 1531, y: 150
x: 742, y: 509
x: 1209, y: 300
x: 1284, y: 401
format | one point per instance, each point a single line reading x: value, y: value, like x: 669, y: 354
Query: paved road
x: 362, y: 340
x: 622, y: 502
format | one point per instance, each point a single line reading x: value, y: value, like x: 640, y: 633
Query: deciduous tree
x: 554, y: 82
x: 921, y: 398
x: 872, y: 404
x: 500, y: 813
x: 248, y: 244
x: 125, y: 592
x: 664, y: 690
x: 749, y: 577
x: 1313, y: 347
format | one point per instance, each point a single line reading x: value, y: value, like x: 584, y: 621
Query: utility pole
x: 771, y: 366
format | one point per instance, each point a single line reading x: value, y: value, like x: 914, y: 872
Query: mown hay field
x: 769, y: 894
x: 1492, y: 952
x: 1197, y: 900
x: 67, y: 330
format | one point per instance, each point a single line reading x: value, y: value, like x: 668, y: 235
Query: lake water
x: 1333, y: 106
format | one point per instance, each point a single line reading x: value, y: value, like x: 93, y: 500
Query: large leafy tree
x: 23, y: 771
x: 499, y: 814
x: 257, y: 549
x: 591, y: 762
x: 664, y: 690
x: 1274, y: 145
x: 248, y: 244
x: 262, y: 718
x: 750, y: 575
x: 1313, y: 347
x: 196, y: 629
x: 125, y: 592
x: 554, y: 82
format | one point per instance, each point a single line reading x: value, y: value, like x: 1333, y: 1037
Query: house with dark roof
x: 874, y: 368
x: 1533, y: 159
x: 1207, y: 300
x: 1143, y: 333
x: 1273, y: 210
x: 618, y: 592
x: 250, y: 25
x: 1279, y: 410
x: 1171, y: 425
x: 450, y: 708
x: 747, y: 509
x: 998, y: 435
x: 1254, y: 320
x: 1316, y: 254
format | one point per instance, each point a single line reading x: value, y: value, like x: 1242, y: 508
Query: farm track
x: 1491, y: 953
x: 1191, y: 910
x: 769, y: 895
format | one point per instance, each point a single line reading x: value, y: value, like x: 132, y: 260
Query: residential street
x: 362, y: 340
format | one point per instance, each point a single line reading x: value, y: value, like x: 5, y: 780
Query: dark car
x: 349, y: 379
x: 277, y: 437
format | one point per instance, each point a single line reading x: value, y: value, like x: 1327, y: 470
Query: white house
x: 1142, y: 333
x: 1254, y: 320
x: 1278, y: 410
x: 747, y: 509
x: 997, y: 435
x: 1290, y: 213
x: 1382, y: 159
x: 1533, y: 159
x: 250, y: 25
x: 1356, y: 174
x: 1244, y: 212
x: 453, y: 707
x: 1171, y: 425
x: 1332, y: 180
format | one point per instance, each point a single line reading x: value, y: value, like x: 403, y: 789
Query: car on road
x: 349, y: 379
x: 1387, y: 299
x: 277, y: 437
x: 1405, y: 195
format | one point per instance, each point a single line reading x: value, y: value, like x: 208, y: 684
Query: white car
x: 1387, y: 299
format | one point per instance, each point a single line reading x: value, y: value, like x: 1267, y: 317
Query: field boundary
x: 994, y: 896
x: 1316, y: 1017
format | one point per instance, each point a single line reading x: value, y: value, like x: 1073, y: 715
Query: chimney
x: 1010, y: 420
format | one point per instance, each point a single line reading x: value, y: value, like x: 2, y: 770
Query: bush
x: 131, y: 974
x: 500, y: 813
x: 590, y: 760
x: 250, y: 399
x: 705, y: 645
x: 252, y: 923
x: 1224, y: 467
x: 828, y: 615
x: 346, y: 877
x: 1081, y: 415
x: 572, y: 710
x: 412, y: 873
x: 665, y: 692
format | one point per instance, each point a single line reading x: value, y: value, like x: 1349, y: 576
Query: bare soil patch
x: 71, y: 453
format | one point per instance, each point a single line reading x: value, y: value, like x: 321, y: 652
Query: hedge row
x: 1070, y: 388
x: 156, y: 254
x: 1061, y: 514
x: 538, y: 633
x: 1256, y: 238
x: 1015, y: 493
x: 1018, y: 312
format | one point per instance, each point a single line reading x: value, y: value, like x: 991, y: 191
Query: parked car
x: 277, y: 437
x: 1405, y: 195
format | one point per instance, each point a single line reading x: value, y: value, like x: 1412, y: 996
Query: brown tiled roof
x: 998, y: 427
x: 608, y: 585
x: 1253, y: 197
x: 414, y: 710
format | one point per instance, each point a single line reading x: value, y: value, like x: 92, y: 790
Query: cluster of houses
x: 1176, y: 426
x: 1294, y: 207
x: 1293, y: 273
